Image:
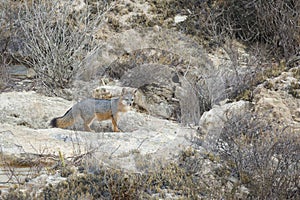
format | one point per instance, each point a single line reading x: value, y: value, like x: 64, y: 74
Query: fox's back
x: 97, y: 105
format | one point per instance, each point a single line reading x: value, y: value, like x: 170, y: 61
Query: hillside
x: 216, y: 114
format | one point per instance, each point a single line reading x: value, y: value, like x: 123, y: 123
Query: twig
x: 114, y: 152
x: 141, y: 143
x: 76, y: 158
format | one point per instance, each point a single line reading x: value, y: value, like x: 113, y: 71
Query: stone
x: 212, y: 122
x: 24, y: 126
x: 179, y: 18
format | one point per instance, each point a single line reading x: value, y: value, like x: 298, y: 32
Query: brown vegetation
x: 263, y: 155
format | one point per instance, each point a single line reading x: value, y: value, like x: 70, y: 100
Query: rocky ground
x: 145, y: 139
x: 25, y: 125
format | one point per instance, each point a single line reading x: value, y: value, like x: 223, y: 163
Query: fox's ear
x: 134, y: 91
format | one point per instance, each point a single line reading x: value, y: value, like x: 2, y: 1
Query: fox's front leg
x: 114, y: 124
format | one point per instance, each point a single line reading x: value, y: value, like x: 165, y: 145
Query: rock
x: 142, y: 134
x: 212, y: 122
x: 156, y: 89
x: 79, y: 5
x: 146, y: 74
x: 272, y: 102
x: 30, y: 109
x: 179, y: 18
x: 139, y: 57
x: 275, y: 101
x: 101, y: 93
x: 21, y: 71
x: 272, y: 105
x: 114, y: 90
x: 31, y: 73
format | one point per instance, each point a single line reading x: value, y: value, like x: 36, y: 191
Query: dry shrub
x: 269, y: 29
x: 117, y: 184
x: 4, y: 75
x: 194, y: 100
x: 176, y: 180
x: 263, y: 156
x: 57, y: 39
x: 275, y: 23
x: 7, y: 15
x: 191, y: 177
x: 272, y: 23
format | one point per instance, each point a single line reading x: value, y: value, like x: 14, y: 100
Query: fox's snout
x: 130, y: 103
x: 127, y: 103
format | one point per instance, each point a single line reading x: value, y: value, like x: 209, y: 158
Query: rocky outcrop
x: 278, y: 99
x: 275, y: 101
x: 213, y: 121
x: 157, y: 85
x: 25, y: 129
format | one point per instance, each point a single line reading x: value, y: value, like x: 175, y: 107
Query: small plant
x: 296, y: 73
x: 294, y: 89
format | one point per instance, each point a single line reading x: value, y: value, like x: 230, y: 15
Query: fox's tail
x: 64, y: 121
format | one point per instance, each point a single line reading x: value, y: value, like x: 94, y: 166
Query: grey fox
x: 101, y: 109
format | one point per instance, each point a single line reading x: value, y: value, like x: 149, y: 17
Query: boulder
x: 212, y: 122
x: 24, y: 126
x: 277, y: 99
x: 156, y: 89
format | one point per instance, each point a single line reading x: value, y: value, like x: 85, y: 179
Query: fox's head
x: 127, y: 98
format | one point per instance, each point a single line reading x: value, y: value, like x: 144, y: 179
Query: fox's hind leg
x: 88, y: 122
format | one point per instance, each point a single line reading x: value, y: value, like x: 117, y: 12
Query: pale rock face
x: 179, y: 18
x: 273, y: 99
x: 79, y: 5
x: 273, y: 105
x: 212, y: 122
x: 24, y: 125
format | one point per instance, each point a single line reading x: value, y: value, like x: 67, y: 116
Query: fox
x: 94, y: 108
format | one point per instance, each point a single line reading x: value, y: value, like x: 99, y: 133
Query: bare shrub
x: 237, y: 75
x: 171, y: 180
x: 263, y: 156
x: 194, y: 100
x: 18, y: 169
x: 275, y: 23
x: 7, y: 14
x: 223, y: 25
x: 4, y: 75
x: 57, y: 39
x: 270, y: 30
